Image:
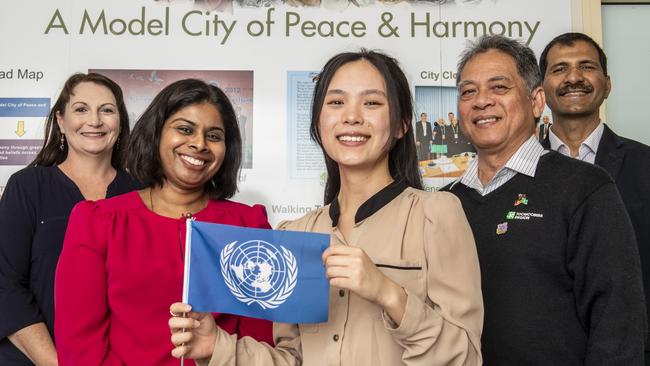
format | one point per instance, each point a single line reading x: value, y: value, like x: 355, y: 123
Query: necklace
x: 151, y: 199
x: 187, y: 214
x: 455, y: 129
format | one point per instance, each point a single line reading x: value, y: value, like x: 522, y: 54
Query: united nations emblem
x: 257, y: 272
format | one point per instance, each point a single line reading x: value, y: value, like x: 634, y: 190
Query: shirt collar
x: 555, y: 141
x: 591, y: 142
x: 372, y: 205
x: 523, y: 161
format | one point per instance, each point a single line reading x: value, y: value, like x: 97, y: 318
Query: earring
x: 62, y: 144
x: 117, y: 144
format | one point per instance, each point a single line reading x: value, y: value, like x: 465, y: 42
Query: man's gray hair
x: 523, y: 56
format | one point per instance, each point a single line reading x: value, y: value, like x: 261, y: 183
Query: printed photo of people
x: 543, y: 127
x: 443, y: 150
x: 208, y: 5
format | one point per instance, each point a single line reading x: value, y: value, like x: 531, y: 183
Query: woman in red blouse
x: 122, y: 259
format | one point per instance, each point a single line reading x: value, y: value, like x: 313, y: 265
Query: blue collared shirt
x: 588, y: 148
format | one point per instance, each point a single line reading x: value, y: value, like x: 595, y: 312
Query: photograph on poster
x: 544, y: 126
x: 305, y: 158
x: 141, y: 86
x: 208, y: 5
x: 214, y: 5
x: 341, y: 5
x: 444, y: 153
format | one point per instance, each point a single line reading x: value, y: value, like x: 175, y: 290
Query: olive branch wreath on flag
x: 279, y: 297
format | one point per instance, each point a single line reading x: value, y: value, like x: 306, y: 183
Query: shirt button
x: 336, y: 338
x: 341, y: 293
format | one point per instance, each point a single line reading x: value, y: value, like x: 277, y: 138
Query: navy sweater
x: 560, y: 268
x: 34, y: 212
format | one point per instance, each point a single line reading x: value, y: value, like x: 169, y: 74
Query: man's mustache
x: 576, y: 87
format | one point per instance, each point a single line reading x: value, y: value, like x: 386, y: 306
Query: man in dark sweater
x: 560, y: 271
x: 576, y: 84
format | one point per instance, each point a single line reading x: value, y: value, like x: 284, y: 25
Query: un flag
x: 270, y: 274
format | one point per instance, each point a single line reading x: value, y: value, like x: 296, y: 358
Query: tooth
x: 353, y: 138
x: 486, y: 120
x: 193, y: 161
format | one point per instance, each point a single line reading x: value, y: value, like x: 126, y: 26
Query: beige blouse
x: 422, y: 241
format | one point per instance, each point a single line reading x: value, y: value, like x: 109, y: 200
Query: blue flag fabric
x: 269, y: 274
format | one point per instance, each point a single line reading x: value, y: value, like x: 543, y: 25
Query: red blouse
x: 120, y: 269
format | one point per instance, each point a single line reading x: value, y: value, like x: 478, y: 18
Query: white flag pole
x: 188, y: 251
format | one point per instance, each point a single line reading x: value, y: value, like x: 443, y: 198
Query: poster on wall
x: 265, y: 54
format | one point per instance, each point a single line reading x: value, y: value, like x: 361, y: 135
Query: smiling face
x: 90, y: 121
x: 497, y: 112
x: 192, y: 146
x: 354, y: 122
x: 575, y: 83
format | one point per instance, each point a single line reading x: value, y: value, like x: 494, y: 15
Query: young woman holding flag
x: 403, y: 269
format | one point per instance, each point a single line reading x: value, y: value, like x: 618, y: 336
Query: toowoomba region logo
x: 258, y: 272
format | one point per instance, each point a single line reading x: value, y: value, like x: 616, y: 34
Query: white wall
x: 626, y: 39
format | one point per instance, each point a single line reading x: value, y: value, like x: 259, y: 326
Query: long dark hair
x: 51, y: 153
x: 402, y: 156
x: 143, y: 160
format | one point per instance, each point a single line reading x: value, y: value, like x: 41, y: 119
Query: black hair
x: 523, y: 56
x: 569, y: 39
x: 402, y: 156
x: 143, y: 161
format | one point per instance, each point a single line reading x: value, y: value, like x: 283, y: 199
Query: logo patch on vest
x: 514, y: 215
x: 502, y: 228
x: 521, y: 199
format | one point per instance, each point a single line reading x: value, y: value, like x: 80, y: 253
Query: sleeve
x: 246, y: 351
x: 82, y: 319
x: 446, y: 328
x: 258, y: 218
x: 604, y: 261
x: 17, y: 227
